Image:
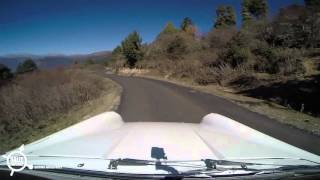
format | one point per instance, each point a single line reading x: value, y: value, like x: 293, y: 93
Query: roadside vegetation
x: 36, y: 103
x: 5, y: 74
x: 276, y: 59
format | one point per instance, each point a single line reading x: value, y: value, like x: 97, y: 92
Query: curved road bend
x: 151, y: 100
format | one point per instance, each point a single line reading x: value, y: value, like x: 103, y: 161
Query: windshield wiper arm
x: 209, y: 164
x: 212, y: 163
x: 222, y: 165
x: 114, y: 163
x: 135, y: 162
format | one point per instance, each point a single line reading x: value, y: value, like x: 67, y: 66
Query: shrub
x: 221, y: 74
x: 239, y: 56
x: 265, y: 58
x: 187, y: 68
x: 283, y: 61
x: 235, y: 56
x: 237, y: 52
x: 288, y: 61
x: 177, y: 47
x: 219, y: 38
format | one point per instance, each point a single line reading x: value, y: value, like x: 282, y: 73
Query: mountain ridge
x: 50, y: 61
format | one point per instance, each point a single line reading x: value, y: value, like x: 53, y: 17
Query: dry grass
x: 33, y: 105
x: 134, y: 71
x: 312, y: 66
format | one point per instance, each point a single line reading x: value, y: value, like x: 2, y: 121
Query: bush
x: 221, y: 74
x: 265, y: 58
x: 283, y: 61
x: 237, y: 52
x: 207, y: 75
x: 219, y: 38
x: 187, y: 68
x: 240, y: 56
x: 235, y: 56
x: 177, y: 47
x: 288, y: 61
x: 174, y: 45
x: 172, y: 54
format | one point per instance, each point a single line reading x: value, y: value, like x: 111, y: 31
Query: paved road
x: 151, y: 100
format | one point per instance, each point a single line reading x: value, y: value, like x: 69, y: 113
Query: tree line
x: 294, y: 27
x: 25, y: 67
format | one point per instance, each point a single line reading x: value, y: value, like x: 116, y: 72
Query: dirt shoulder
x: 272, y: 110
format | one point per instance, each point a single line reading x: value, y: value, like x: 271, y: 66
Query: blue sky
x: 84, y: 26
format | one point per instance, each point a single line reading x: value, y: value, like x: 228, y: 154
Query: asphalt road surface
x: 157, y: 101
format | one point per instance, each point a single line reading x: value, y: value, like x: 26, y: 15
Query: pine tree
x: 313, y: 22
x: 5, y: 72
x: 254, y: 9
x: 225, y: 17
x: 27, y: 66
x: 117, y: 50
x: 132, y: 49
x: 186, y: 24
x: 169, y: 29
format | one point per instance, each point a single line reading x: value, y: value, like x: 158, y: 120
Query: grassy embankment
x: 38, y: 104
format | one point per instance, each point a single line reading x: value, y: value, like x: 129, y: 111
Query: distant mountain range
x: 52, y: 60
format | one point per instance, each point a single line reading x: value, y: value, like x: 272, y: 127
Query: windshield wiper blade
x: 211, y: 163
x: 216, y: 167
x: 275, y: 158
x: 208, y: 163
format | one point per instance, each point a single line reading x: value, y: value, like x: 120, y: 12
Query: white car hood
x: 106, y: 136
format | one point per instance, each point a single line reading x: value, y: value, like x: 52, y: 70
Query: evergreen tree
x: 296, y: 26
x: 27, y: 66
x: 132, y: 48
x: 225, y: 17
x: 312, y: 24
x: 5, y: 72
x: 186, y: 24
x: 169, y: 29
x: 254, y: 9
x: 117, y: 51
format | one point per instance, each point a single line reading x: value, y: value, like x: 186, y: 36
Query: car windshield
x: 181, y: 88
